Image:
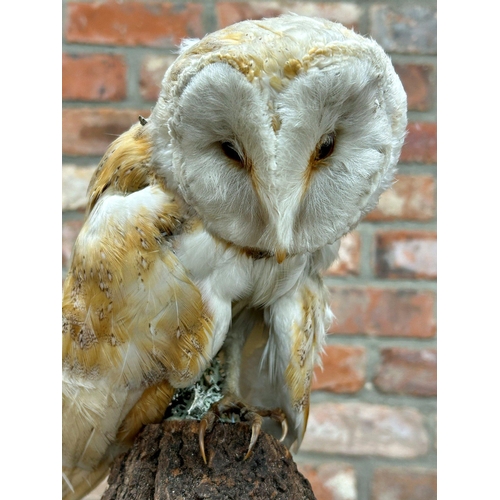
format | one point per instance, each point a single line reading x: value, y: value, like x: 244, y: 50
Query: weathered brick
x: 420, y: 144
x: 344, y: 369
x: 70, y: 230
x: 432, y: 422
x: 394, y: 483
x: 152, y: 71
x: 408, y: 371
x: 347, y: 262
x: 383, y: 312
x: 331, y: 481
x: 417, y: 84
x: 89, y: 131
x: 232, y: 12
x: 412, y: 197
x: 405, y: 28
x: 150, y: 24
x: 94, y: 77
x: 406, y: 254
x: 365, y: 429
x: 75, y: 181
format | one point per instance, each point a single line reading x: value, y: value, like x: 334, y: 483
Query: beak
x: 280, y: 256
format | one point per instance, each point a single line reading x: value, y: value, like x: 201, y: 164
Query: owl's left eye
x: 230, y: 151
x: 326, y: 147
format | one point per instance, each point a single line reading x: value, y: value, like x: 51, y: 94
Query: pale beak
x: 280, y: 256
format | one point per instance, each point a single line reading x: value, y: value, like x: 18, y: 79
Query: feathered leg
x: 298, y: 323
x: 245, y: 323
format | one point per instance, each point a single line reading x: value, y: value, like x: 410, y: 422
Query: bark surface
x: 165, y: 464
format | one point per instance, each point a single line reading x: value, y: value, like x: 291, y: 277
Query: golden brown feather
x: 134, y: 323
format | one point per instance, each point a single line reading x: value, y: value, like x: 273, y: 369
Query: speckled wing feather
x: 134, y: 324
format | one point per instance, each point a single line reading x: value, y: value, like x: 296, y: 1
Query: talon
x: 206, y: 424
x: 201, y: 439
x: 279, y: 416
x: 257, y: 424
x: 253, y: 415
x: 284, y: 427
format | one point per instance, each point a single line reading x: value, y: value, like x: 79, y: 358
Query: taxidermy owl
x: 208, y: 227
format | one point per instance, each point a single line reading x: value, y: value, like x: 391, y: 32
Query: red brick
x: 94, y: 77
x: 406, y: 254
x: 150, y: 24
x: 152, y: 71
x: 405, y: 28
x: 89, y: 131
x: 347, y: 262
x: 344, y: 369
x: 383, y: 312
x: 70, y: 230
x: 365, y: 429
x: 420, y: 144
x: 417, y: 84
x: 412, y: 197
x: 233, y: 12
x: 331, y: 481
x: 75, y: 181
x: 396, y: 483
x: 408, y: 371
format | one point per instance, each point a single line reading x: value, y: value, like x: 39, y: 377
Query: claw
x: 279, y: 416
x: 252, y: 415
x: 284, y: 427
x: 201, y: 439
x: 256, y: 425
x: 206, y: 424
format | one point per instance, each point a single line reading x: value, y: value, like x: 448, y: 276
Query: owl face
x: 281, y: 141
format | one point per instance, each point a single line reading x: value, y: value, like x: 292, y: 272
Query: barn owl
x: 208, y: 226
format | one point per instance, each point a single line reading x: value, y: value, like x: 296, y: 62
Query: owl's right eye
x: 230, y: 151
x: 326, y: 147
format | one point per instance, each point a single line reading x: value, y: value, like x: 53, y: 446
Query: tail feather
x: 77, y: 482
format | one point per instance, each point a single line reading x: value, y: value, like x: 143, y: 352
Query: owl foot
x: 230, y: 405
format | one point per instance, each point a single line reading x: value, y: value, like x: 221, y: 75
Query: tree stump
x: 165, y: 463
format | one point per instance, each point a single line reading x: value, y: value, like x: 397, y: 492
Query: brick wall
x: 372, y: 428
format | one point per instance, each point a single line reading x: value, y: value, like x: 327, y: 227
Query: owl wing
x: 134, y: 324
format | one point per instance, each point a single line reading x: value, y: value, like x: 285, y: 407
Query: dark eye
x: 326, y: 147
x: 230, y: 151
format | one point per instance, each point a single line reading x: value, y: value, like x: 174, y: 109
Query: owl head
x: 281, y: 133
